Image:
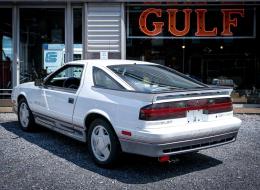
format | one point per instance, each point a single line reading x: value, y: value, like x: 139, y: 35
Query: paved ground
x: 47, y: 160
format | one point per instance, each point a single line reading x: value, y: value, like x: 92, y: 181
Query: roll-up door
x: 103, y: 30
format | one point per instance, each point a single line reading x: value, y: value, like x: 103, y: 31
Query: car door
x: 59, y: 94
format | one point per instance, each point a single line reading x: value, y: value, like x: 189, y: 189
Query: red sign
x: 229, y: 22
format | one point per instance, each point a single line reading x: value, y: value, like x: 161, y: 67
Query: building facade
x: 215, y: 42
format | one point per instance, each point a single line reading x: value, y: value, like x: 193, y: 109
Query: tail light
x: 218, y: 105
x: 161, y: 111
x: 178, y: 109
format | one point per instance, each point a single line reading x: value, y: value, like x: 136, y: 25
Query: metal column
x: 84, y: 32
x: 15, y: 34
x: 68, y: 33
x: 123, y: 32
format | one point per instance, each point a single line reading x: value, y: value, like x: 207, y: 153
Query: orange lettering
x: 201, y: 28
x: 157, y: 25
x: 172, y: 22
x: 228, y: 22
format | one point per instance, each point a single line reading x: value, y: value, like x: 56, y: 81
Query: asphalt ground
x: 47, y: 160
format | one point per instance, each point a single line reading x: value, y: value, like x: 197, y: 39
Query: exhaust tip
x: 163, y: 159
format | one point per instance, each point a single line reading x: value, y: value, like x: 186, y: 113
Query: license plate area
x: 195, y: 116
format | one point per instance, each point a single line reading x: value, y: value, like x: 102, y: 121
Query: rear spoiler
x: 192, y: 93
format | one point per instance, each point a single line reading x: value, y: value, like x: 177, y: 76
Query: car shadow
x: 132, y: 169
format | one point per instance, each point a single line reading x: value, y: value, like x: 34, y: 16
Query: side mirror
x: 38, y: 82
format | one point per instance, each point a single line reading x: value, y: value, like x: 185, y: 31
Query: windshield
x: 153, y: 78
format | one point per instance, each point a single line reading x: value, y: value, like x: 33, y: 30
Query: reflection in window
x: 6, y: 50
x: 42, y: 48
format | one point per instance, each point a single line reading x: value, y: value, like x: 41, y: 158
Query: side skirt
x: 61, y: 127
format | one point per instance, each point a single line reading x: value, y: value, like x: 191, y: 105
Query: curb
x: 6, y: 110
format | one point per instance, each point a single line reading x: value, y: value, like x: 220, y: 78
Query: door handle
x: 71, y: 100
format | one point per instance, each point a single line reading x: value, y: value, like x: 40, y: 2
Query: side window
x: 102, y: 79
x: 69, y: 77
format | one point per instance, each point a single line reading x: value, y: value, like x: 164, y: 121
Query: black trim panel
x: 65, y: 126
x: 39, y: 114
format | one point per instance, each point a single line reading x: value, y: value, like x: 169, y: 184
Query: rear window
x: 103, y: 80
x: 154, y: 78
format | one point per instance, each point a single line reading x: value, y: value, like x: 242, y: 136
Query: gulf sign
x: 171, y: 22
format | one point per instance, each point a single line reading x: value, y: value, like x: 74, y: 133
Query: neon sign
x: 201, y: 27
x: 172, y: 22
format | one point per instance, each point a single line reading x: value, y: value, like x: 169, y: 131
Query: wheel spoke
x: 26, y: 121
x: 95, y: 136
x: 23, y: 117
x: 100, y: 132
x: 106, y: 140
x: 98, y: 152
x: 106, y: 152
x: 95, y: 140
x: 22, y: 114
x: 26, y: 113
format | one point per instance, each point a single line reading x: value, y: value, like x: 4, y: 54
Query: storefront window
x: 77, y: 31
x: 6, y: 50
x: 42, y: 46
x: 200, y: 42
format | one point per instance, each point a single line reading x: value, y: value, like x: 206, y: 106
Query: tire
x: 25, y: 116
x: 103, y: 144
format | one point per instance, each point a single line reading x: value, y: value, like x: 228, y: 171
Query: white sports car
x: 128, y: 106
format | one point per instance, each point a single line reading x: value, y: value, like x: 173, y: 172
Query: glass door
x: 6, y: 52
x: 42, y: 41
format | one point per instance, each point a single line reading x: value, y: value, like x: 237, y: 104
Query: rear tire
x: 103, y: 144
x: 25, y: 116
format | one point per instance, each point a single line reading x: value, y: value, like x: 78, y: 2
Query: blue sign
x: 51, y: 57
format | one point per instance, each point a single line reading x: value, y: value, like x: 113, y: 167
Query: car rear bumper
x: 172, y: 141
x: 157, y: 150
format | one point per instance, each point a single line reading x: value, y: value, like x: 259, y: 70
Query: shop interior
x: 233, y: 62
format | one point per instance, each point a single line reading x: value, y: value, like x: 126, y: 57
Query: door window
x: 68, y: 77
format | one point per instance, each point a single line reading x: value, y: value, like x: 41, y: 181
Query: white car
x: 128, y: 106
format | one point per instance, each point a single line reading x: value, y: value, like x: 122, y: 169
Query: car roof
x: 107, y: 62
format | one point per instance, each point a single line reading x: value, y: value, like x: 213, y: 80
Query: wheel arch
x: 20, y: 96
x: 95, y: 114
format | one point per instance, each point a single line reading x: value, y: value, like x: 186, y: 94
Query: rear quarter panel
x: 119, y: 107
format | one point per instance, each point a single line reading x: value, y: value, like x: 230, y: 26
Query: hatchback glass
x: 154, y: 78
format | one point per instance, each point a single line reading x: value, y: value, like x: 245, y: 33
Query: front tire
x: 25, y: 116
x: 103, y: 145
